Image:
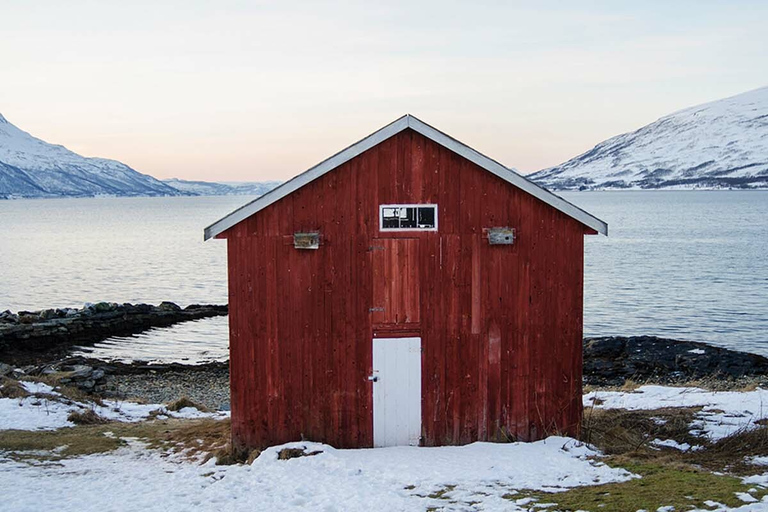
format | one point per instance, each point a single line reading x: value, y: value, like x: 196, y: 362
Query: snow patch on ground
x: 397, y: 478
x: 50, y: 410
x: 761, y: 480
x: 38, y: 387
x: 760, y: 506
x: 671, y: 443
x: 723, y: 412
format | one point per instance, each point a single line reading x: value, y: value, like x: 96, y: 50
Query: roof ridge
x: 391, y: 129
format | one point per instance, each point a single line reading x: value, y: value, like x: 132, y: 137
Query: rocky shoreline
x: 612, y: 360
x: 29, y: 337
x: 608, y: 361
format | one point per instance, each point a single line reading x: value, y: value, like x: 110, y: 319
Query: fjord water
x: 681, y: 264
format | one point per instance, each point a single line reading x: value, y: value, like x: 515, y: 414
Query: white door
x: 396, y: 391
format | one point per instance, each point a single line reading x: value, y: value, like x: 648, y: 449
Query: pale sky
x: 249, y: 91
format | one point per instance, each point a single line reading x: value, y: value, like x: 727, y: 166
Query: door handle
x: 373, y: 378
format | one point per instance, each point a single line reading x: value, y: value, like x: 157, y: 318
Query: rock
x: 169, y: 306
x: 5, y: 369
x: 47, y: 314
x: 102, y: 307
x: 80, y: 372
x: 8, y: 317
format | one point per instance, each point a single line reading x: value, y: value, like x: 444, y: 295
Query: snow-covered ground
x: 391, y: 479
x: 480, y: 476
x: 50, y: 413
x: 723, y: 412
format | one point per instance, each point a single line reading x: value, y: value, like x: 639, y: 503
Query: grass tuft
x: 10, y: 388
x: 294, y: 453
x: 183, y: 402
x: 86, y: 417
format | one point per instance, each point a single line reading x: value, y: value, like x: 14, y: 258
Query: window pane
x: 427, y: 217
x: 408, y: 217
x: 390, y: 218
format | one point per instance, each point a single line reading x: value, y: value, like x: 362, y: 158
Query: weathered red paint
x: 501, y: 326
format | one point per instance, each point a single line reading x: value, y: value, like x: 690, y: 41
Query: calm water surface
x: 682, y: 264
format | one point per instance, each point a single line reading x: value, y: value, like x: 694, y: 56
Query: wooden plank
x: 500, y: 326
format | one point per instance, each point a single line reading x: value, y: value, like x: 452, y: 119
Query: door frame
x: 397, y: 391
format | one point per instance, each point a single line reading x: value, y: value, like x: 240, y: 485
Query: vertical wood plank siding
x: 501, y: 326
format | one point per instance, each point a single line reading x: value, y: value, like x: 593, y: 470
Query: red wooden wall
x: 501, y: 326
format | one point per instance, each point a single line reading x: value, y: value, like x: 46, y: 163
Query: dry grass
x: 626, y: 437
x: 86, y: 417
x: 619, y: 431
x: 196, y: 439
x: 62, y: 443
x: 630, y: 385
x: 202, y: 439
x: 183, y: 402
x: 710, y: 383
x: 10, y: 388
x: 731, y: 453
x: 78, y: 395
x: 196, y: 436
x: 293, y: 453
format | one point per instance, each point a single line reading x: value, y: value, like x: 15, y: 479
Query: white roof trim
x: 407, y: 121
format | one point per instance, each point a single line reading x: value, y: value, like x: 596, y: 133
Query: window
x: 408, y: 217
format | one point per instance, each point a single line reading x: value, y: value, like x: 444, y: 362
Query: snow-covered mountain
x: 30, y: 167
x: 722, y: 144
x: 207, y: 188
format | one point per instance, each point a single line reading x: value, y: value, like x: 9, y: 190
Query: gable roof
x: 407, y: 121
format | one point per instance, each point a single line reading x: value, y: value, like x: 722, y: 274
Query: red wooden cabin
x: 408, y: 290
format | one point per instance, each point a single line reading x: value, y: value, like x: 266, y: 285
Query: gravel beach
x: 208, y: 387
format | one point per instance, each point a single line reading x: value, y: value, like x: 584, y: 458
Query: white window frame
x: 381, y: 216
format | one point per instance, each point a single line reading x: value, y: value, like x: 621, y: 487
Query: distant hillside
x: 722, y: 144
x: 206, y: 188
x: 30, y: 167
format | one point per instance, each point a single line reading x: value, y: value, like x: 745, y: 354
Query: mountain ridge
x: 210, y: 188
x: 33, y: 168
x: 714, y: 145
